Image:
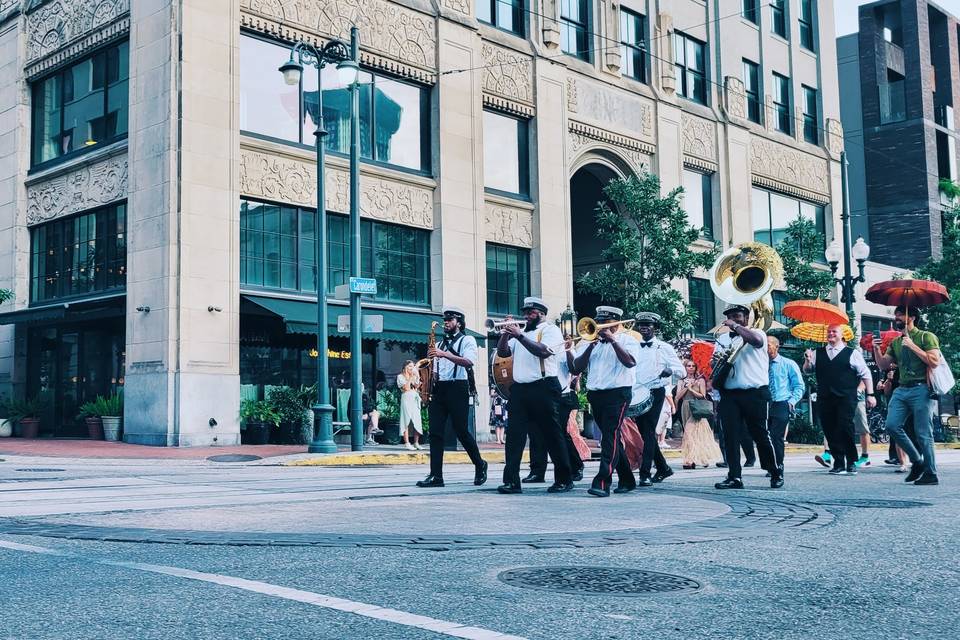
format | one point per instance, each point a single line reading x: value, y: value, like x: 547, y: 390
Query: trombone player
x: 534, y: 395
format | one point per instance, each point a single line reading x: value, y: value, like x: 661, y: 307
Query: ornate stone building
x: 157, y: 178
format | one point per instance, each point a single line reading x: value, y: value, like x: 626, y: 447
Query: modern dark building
x: 899, y: 84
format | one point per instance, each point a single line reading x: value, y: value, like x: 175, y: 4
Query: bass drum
x: 503, y: 375
x: 641, y: 407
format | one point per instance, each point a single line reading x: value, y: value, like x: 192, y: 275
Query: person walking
x: 498, y: 414
x: 411, y: 428
x: 698, y: 446
x: 914, y: 352
x: 786, y: 390
x: 839, y: 370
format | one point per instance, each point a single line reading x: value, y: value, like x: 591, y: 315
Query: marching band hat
x: 604, y: 311
x: 451, y: 311
x: 733, y: 308
x: 532, y: 302
x: 648, y: 317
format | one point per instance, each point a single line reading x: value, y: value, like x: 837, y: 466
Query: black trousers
x: 777, y: 425
x: 533, y: 410
x: 538, y: 452
x: 836, y: 419
x: 745, y: 411
x: 451, y: 400
x: 647, y: 425
x: 609, y: 408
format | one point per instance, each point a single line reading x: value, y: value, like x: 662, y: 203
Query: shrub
x: 288, y: 404
x: 802, y: 431
x: 388, y: 404
x: 258, y: 411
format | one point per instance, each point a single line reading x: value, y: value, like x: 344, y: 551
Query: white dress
x: 409, y: 406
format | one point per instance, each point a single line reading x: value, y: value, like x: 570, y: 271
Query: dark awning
x: 300, y: 316
x: 77, y: 311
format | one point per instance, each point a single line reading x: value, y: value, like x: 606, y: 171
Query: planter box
x: 29, y: 427
x: 94, y: 427
x: 111, y: 427
x: 255, y: 433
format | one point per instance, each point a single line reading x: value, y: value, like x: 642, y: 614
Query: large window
x: 394, y: 115
x: 781, y: 103
x: 633, y: 45
x: 704, y: 303
x: 893, y: 98
x: 506, y: 154
x: 811, y: 119
x: 751, y: 86
x: 81, y: 106
x: 575, y: 28
x: 277, y: 251
x: 508, y: 279
x: 750, y: 11
x: 773, y: 213
x: 79, y: 255
x: 778, y: 12
x: 504, y: 14
x: 690, y: 56
x: 698, y: 200
x: 806, y: 24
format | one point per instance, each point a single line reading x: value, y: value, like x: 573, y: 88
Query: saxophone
x: 426, y: 366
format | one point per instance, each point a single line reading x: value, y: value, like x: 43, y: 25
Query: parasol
x: 701, y: 353
x: 813, y: 332
x: 908, y: 293
x: 816, y: 311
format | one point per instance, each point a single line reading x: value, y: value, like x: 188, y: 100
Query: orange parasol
x: 813, y: 332
x: 816, y: 311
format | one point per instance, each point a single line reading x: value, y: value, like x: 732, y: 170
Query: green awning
x: 78, y: 311
x: 300, y: 316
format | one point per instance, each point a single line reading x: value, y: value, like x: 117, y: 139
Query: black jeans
x: 609, y: 408
x: 533, y: 411
x: 451, y: 400
x: 538, y: 452
x: 745, y: 411
x: 647, y: 425
x: 777, y: 423
x: 836, y: 420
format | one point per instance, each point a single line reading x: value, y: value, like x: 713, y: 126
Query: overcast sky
x: 846, y: 12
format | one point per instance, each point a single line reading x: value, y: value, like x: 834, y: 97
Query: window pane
x: 760, y: 205
x: 501, y: 153
x: 783, y: 211
x: 268, y: 106
x: 397, y: 108
x: 47, y: 140
x: 508, y: 278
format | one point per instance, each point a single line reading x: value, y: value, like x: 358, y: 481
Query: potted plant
x: 90, y: 412
x: 307, y: 396
x: 388, y: 404
x: 26, y: 413
x: 288, y: 403
x: 110, y: 409
x: 260, y: 418
x: 6, y: 425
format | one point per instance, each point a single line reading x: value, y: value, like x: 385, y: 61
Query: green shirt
x: 912, y: 368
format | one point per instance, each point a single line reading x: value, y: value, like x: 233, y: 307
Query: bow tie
x: 646, y: 344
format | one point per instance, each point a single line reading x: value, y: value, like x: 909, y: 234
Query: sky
x: 846, y: 12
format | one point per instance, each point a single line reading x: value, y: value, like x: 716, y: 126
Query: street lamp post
x: 344, y: 56
x: 834, y: 253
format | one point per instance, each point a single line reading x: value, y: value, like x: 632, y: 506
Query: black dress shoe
x: 577, y: 475
x: 431, y: 481
x: 776, y: 481
x: 625, y: 488
x: 729, y: 483
x: 480, y: 476
x: 916, y: 471
x: 927, y: 479
x: 749, y: 463
x: 509, y: 487
x: 660, y: 476
x: 644, y: 482
x: 560, y: 487
x: 600, y: 493
x: 722, y: 465
x: 533, y: 478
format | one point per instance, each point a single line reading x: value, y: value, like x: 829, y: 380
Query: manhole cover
x: 234, y: 457
x: 597, y: 581
x: 41, y: 470
x: 874, y: 504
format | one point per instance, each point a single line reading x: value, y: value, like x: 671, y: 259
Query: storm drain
x: 233, y: 457
x: 873, y: 504
x: 597, y: 581
x: 41, y: 470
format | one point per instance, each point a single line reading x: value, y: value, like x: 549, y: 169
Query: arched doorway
x: 586, y: 190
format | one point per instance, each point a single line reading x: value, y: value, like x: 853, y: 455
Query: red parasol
x: 816, y: 311
x: 701, y: 352
x: 908, y: 293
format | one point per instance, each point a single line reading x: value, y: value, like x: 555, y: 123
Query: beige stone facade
x: 184, y: 165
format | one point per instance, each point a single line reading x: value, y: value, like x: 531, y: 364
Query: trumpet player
x: 610, y: 359
x: 534, y: 395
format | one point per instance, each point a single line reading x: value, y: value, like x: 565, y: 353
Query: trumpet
x: 498, y: 326
x: 589, y: 330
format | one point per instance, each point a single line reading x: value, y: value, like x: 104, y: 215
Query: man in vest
x: 840, y: 370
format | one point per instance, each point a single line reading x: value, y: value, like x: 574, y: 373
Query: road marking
x: 444, y: 627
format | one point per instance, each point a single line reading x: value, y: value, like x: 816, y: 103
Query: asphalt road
x: 239, y: 551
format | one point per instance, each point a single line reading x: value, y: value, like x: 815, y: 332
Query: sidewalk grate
x: 234, y: 457
x: 41, y: 470
x: 597, y: 581
x: 873, y: 504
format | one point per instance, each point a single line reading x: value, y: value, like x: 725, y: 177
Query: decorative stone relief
x: 789, y: 167
x: 551, y: 28
x: 735, y: 98
x: 460, y: 6
x: 507, y: 74
x: 834, y: 137
x: 699, y: 137
x: 580, y: 141
x: 386, y: 27
x: 615, y: 109
x: 572, y: 98
x: 86, y: 188
x: 662, y: 34
x: 508, y: 225
x: 293, y: 181
x: 610, y: 10
x: 57, y: 24
x: 8, y: 8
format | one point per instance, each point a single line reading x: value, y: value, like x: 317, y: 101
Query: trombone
x: 589, y: 330
x: 498, y: 326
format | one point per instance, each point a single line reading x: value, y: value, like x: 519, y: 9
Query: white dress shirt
x: 652, y: 360
x: 563, y: 372
x: 526, y: 366
x: 605, y: 369
x: 466, y: 347
x: 857, y: 363
x: 751, y: 369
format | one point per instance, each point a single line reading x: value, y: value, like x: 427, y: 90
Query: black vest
x: 835, y: 376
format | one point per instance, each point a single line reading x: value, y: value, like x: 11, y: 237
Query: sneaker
x: 370, y: 441
x: 410, y: 447
x: 837, y: 471
x: 916, y: 470
x: 927, y: 478
x: 417, y: 446
x: 852, y: 469
x: 665, y: 446
x: 824, y: 458
x: 864, y: 461
x: 892, y: 461
x: 901, y: 469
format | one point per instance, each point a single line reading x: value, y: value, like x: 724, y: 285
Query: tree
x: 648, y: 245
x: 801, y: 247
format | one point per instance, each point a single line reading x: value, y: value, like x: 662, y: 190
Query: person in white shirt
x: 453, y: 358
x: 745, y: 398
x: 534, y: 395
x: 610, y: 359
x: 840, y: 370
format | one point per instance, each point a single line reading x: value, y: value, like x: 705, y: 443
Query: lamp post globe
x: 292, y: 71
x: 833, y: 253
x: 861, y: 250
x: 348, y: 71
